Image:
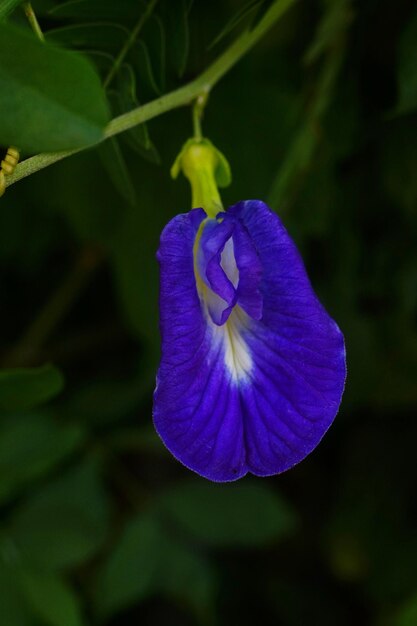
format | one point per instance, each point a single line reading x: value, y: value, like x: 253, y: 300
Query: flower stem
x: 198, y: 110
x: 198, y: 135
x: 180, y: 97
x: 33, y: 21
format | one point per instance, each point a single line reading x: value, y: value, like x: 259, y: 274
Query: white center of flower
x: 236, y: 354
x: 228, y: 263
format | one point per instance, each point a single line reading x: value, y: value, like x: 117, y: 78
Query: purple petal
x: 196, y: 409
x: 249, y: 296
x: 297, y: 350
x: 212, y: 254
x: 253, y: 395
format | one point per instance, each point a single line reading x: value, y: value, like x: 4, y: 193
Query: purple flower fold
x: 253, y: 368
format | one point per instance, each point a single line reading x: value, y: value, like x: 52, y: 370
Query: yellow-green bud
x: 207, y: 169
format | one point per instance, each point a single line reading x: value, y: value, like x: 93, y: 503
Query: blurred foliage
x: 99, y: 525
x: 25, y: 388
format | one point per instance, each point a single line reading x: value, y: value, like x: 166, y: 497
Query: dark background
x: 99, y: 525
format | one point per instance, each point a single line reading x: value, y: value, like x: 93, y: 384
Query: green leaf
x: 14, y: 609
x: 97, y: 9
x: 102, y: 61
x: 64, y: 523
x: 186, y: 575
x: 247, y: 9
x: 143, y: 440
x: 236, y: 514
x: 178, y: 35
x: 115, y: 165
x: 139, y: 56
x: 129, y: 573
x: 398, y: 159
x: 125, y: 100
x: 90, y: 203
x: 51, y: 99
x: 26, y: 388
x: 30, y: 446
x: 407, y: 62
x: 154, y: 38
x: 407, y: 615
x: 103, y: 36
x: 330, y: 30
x: 146, y: 561
x: 7, y: 6
x: 107, y: 400
x: 50, y: 598
x: 261, y: 11
x: 134, y: 266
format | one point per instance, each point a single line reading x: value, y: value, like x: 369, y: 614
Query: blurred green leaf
x: 186, y: 576
x: 398, y: 157
x: 26, y: 388
x: 65, y: 522
x: 30, y: 597
x: 228, y: 515
x: 142, y: 439
x: 94, y: 9
x: 107, y: 400
x: 30, y: 445
x: 343, y: 139
x: 52, y: 99
x: 154, y: 38
x: 103, y: 36
x: 299, y: 157
x: 7, y: 6
x: 178, y: 36
x: 50, y: 598
x: 407, y: 615
x: 102, y: 61
x: 139, y: 56
x: 241, y: 14
x: 25, y: 242
x: 135, y: 267
x: 90, y: 205
x: 319, y: 189
x: 145, y: 561
x: 407, y: 62
x: 115, y: 165
x: 125, y: 100
x: 129, y: 573
x: 331, y: 29
x: 262, y: 9
x: 14, y: 609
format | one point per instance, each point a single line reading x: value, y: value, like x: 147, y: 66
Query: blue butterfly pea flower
x: 252, y: 368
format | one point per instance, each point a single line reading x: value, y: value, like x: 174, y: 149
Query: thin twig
x: 33, y: 21
x: 198, y: 111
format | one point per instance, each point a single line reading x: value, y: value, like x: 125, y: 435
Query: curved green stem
x: 198, y: 110
x: 198, y: 133
x: 180, y: 97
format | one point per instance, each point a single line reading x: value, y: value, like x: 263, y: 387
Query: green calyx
x: 207, y: 169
